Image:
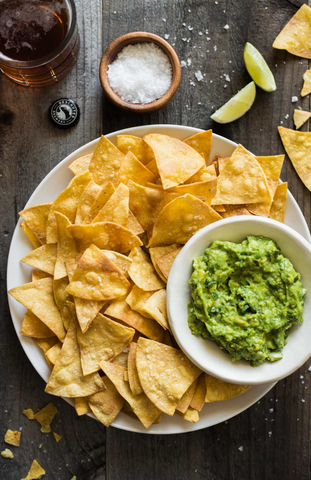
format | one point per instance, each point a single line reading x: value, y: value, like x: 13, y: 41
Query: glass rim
x: 51, y: 56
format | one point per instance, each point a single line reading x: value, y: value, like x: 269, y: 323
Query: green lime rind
x: 258, y: 69
x: 237, y: 106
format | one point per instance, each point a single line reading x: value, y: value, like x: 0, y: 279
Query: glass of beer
x: 39, y: 40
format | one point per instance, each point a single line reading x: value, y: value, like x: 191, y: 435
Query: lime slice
x: 236, y: 106
x: 258, y: 69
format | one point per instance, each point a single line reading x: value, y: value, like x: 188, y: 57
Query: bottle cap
x: 64, y: 113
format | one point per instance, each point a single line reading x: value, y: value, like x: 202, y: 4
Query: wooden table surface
x: 275, y: 432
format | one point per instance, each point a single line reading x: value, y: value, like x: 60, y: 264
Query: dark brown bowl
x: 112, y: 51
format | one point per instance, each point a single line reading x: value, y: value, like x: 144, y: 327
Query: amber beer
x: 39, y: 40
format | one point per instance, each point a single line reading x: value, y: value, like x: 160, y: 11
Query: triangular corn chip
x: 46, y: 343
x: 134, y: 382
x: 296, y: 35
x: 122, y: 262
x: 57, y: 437
x: 132, y: 169
x: 86, y: 201
x: 35, y: 218
x: 137, y: 298
x: 82, y: 406
x: 31, y: 236
x: 201, y: 142
x: 165, y: 262
x: 152, y: 166
x: 156, y: 308
x: 106, y: 404
x: 298, y: 148
x: 136, y: 145
x: 191, y: 415
x: 217, y: 390
x: 133, y: 224
x: 45, y: 417
x: 235, y: 210
x: 185, y: 400
x: 277, y: 211
x: 36, y: 471
x: 300, y: 117
x: 101, y: 200
x: 52, y: 354
x: 176, y: 161
x: 43, y: 258
x: 203, y: 189
x: 81, y: 164
x: 61, y: 298
x: 116, y: 209
x: 38, y: 297
x: 142, y: 271
x: 306, y: 89
x: 165, y: 373
x: 37, y: 274
x: 157, y: 252
x: 198, y: 398
x: 180, y: 220
x: 66, y: 246
x: 106, y: 161
x: 33, y: 327
x: 202, y: 175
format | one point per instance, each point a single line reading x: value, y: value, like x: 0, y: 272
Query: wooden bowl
x: 112, y: 51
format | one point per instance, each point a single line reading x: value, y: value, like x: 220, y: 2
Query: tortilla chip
x: 278, y: 207
x: 296, y: 35
x: 29, y: 413
x: 201, y: 142
x: 190, y: 415
x: 67, y: 378
x: 202, y: 175
x: 242, y: 180
x: 35, y: 218
x: 152, y: 166
x: 157, y: 252
x: 298, y: 148
x: 7, y: 453
x: 33, y: 327
x: 104, y: 235
x: 67, y: 204
x: 306, y: 89
x: 300, y: 117
x: 106, y: 161
x: 145, y: 410
x: 104, y: 340
x: 66, y: 246
x: 165, y: 262
x: 12, y: 437
x: 81, y: 164
x: 116, y: 209
x: 176, y: 161
x: 126, y: 375
x: 156, y: 308
x: 142, y: 271
x: 106, y: 404
x: 52, y: 354
x: 217, y: 390
x: 133, y: 377
x: 120, y: 310
x: 185, y: 400
x: 203, y: 189
x: 43, y: 258
x: 134, y: 225
x: 38, y: 297
x: 133, y: 169
x: 61, y: 298
x: 122, y: 262
x: 36, y: 471
x: 31, y: 236
x: 97, y: 278
x: 136, y: 145
x: 37, y: 274
x: 236, y: 210
x: 180, y: 220
x: 57, y: 437
x: 82, y: 406
x: 100, y: 201
x: 45, y: 417
x: 164, y: 385
x: 46, y: 343
x: 198, y: 398
x: 121, y: 359
x: 86, y: 201
x: 137, y: 298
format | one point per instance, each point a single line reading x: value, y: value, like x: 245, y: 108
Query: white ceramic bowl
x: 205, y: 353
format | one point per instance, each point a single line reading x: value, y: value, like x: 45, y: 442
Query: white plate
x: 18, y: 274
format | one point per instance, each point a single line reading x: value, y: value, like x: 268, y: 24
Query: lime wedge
x: 237, y: 106
x: 258, y: 69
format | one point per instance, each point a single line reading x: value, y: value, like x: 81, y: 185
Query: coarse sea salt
x: 141, y: 73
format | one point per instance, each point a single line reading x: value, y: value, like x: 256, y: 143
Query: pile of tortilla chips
x: 103, y: 250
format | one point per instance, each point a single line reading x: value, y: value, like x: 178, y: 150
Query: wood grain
x: 275, y: 432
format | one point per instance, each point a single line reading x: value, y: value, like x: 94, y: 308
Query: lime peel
x: 237, y: 106
x: 258, y: 69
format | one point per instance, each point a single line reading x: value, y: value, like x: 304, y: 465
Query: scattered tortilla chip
x: 217, y: 390
x: 81, y: 164
x: 105, y: 235
x: 106, y: 161
x: 31, y: 236
x: 66, y: 246
x: 165, y: 262
x: 156, y: 308
x: 137, y: 298
x: 234, y: 210
x: 142, y: 271
x: 61, y: 298
x: 33, y: 327
x: 198, y: 398
x: 45, y: 417
x: 203, y: 189
x: 38, y: 297
x: 136, y: 145
x: 298, y: 148
x: 7, y: 453
x: 97, y: 278
x: 185, y: 400
x: 145, y: 410
x: 67, y: 378
x: 133, y: 377
x: 37, y: 274
x: 100, y: 201
x: 201, y: 142
x: 202, y: 175
x: 106, y: 404
x: 132, y: 169
x: 12, y: 437
x: 278, y: 207
x: 86, y: 201
x: 53, y: 353
x: 120, y: 310
x: 35, y: 218
x: 166, y: 386
x: 122, y: 262
x: 306, y: 89
x: 180, y: 220
x: 300, y: 117
x: 57, y: 437
x: 176, y: 161
x: 46, y: 343
x: 157, y: 252
x: 43, y: 258
x: 116, y: 209
x: 104, y: 340
x: 35, y: 472
x: 190, y: 415
x: 29, y: 413
x: 82, y: 406
x: 296, y: 35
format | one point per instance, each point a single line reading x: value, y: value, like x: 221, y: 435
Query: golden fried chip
x: 35, y: 218
x: 38, y: 297
x: 57, y: 437
x: 157, y: 252
x: 296, y: 35
x: 33, y: 327
x: 82, y: 406
x: 152, y: 166
x: 201, y: 142
x: 133, y: 224
x: 46, y: 343
x: 45, y: 417
x: 7, y: 453
x: 217, y: 390
x: 300, y: 117
x: 180, y: 220
x: 37, y: 274
x: 137, y: 298
x: 165, y: 373
x: 43, y: 258
x: 306, y: 89
x: 100, y: 201
x: 191, y: 415
x: 106, y: 161
x: 116, y: 209
x: 185, y: 400
x: 36, y: 471
x: 66, y: 246
x: 278, y: 207
x: 61, y: 298
x: 120, y: 310
x: 298, y: 148
x: 145, y: 410
x: 122, y: 262
x: 29, y: 413
x: 81, y: 164
x: 104, y: 340
x: 176, y: 161
x: 67, y: 378
x: 86, y: 201
x: 105, y: 235
x: 12, y: 437
x: 31, y: 236
x: 236, y: 210
x: 203, y: 189
x: 165, y: 262
x: 142, y: 271
x: 155, y: 306
x: 202, y: 175
x: 133, y: 169
x: 52, y: 354
x: 133, y: 377
x: 198, y: 398
x: 136, y: 145
x: 121, y: 359
x: 106, y: 404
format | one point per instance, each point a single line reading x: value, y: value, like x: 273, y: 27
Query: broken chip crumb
x: 36, y: 471
x: 45, y: 417
x: 57, y: 437
x: 29, y: 413
x: 12, y: 437
x: 7, y: 453
x: 40, y: 446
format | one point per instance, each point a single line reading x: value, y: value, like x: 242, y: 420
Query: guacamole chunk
x: 245, y: 296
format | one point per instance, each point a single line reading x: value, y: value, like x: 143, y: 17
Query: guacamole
x: 245, y: 296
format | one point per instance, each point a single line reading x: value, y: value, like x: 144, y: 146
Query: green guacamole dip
x: 245, y: 296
